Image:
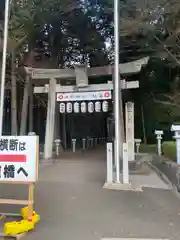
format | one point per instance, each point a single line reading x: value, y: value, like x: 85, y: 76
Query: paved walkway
x: 73, y: 205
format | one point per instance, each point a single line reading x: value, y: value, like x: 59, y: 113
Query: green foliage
x: 21, y: 22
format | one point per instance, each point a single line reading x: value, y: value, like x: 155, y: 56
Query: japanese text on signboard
x: 12, y: 145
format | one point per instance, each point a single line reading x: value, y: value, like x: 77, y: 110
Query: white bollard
x: 91, y: 142
x: 95, y: 141
x: 109, y: 158
x: 84, y: 144
x: 159, y: 134
x: 57, y: 143
x: 88, y: 142
x: 74, y: 145
x: 137, y: 144
x: 176, y: 130
x: 125, y: 164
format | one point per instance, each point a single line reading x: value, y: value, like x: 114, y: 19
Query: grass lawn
x: 168, y: 149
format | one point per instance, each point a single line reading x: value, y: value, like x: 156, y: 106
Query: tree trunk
x: 14, y: 129
x: 31, y: 107
x: 143, y: 125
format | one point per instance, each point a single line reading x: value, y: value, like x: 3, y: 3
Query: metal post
x: 3, y: 73
x: 117, y: 90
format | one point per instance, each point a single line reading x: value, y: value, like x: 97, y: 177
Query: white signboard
x: 130, y: 130
x: 83, y: 96
x: 19, y: 157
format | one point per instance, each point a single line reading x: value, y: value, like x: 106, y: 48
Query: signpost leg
x: 31, y: 199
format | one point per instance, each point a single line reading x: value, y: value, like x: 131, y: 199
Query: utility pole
x: 3, y: 72
x: 117, y: 92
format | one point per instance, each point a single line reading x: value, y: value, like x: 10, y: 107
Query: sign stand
x: 19, y: 160
x: 31, y: 200
x: 29, y: 203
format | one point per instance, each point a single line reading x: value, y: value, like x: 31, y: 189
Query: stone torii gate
x: 51, y: 81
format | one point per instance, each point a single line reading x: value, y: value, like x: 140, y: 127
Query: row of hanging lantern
x: 83, y: 107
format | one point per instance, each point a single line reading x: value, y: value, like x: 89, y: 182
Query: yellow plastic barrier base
x: 14, y: 228
x: 35, y: 217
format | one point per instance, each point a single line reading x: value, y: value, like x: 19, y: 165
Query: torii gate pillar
x: 50, y: 120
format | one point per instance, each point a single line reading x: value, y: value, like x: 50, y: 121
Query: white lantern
x: 97, y: 106
x: 69, y: 107
x: 46, y: 88
x: 90, y: 107
x: 83, y: 107
x: 76, y: 107
x: 62, y: 107
x: 105, y: 106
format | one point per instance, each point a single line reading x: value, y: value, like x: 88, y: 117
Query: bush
x: 169, y: 150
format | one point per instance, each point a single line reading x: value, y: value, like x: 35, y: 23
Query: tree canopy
x: 61, y: 33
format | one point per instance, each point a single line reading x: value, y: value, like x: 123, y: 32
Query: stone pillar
x: 57, y: 134
x: 64, y: 119
x: 176, y: 130
x: 24, y: 111
x: 50, y: 120
x: 130, y: 130
x: 159, y: 134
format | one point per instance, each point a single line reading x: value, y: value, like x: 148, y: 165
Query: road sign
x: 19, y: 158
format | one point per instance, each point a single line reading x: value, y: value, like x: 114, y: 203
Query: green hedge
x: 168, y: 149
